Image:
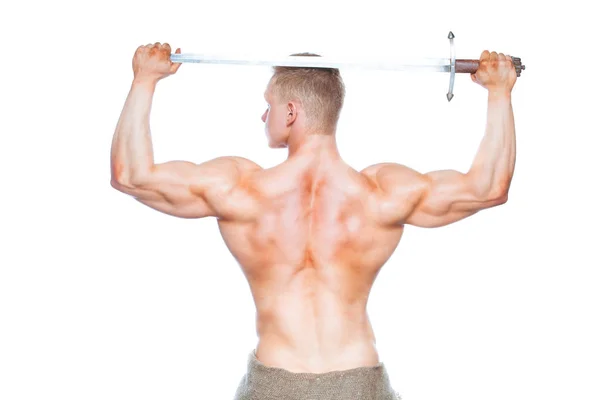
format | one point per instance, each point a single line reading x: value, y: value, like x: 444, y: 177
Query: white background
x: 103, y: 298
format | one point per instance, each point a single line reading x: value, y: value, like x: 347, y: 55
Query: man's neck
x: 313, y: 143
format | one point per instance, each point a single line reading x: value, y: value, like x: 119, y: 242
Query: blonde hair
x: 321, y: 92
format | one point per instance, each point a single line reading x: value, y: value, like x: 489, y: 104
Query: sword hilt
x: 471, y: 66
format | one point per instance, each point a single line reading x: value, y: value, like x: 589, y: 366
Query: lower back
x: 310, y: 325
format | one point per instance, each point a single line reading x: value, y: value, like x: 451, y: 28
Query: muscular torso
x: 308, y: 238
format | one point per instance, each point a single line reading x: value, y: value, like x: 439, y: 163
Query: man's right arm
x: 441, y: 197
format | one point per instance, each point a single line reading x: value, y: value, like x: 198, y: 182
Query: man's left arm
x: 178, y: 188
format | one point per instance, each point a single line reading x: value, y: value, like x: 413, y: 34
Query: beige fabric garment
x: 268, y: 383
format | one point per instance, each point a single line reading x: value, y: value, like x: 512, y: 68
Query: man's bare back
x: 311, y: 234
x: 310, y: 245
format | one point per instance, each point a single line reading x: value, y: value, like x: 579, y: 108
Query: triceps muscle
x: 449, y: 197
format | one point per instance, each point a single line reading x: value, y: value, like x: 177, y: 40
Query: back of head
x: 320, y: 91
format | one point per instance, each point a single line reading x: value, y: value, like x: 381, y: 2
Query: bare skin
x: 312, y: 233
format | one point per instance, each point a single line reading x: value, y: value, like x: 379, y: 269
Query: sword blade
x: 397, y: 64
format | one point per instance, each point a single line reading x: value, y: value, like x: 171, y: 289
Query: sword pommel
x: 518, y: 66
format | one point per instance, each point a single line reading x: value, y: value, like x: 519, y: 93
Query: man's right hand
x: 496, y: 72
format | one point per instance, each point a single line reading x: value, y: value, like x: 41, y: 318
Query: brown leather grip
x: 470, y: 66
x: 466, y: 66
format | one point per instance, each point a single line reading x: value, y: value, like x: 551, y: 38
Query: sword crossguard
x: 450, y: 93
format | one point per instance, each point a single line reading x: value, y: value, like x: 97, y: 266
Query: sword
x: 452, y: 65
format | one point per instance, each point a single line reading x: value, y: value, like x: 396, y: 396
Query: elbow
x: 117, y: 175
x: 120, y: 182
x: 501, y: 199
x: 116, y: 184
x: 494, y: 191
x: 129, y: 180
x: 499, y: 195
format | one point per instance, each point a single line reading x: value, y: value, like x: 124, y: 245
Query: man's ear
x: 292, y: 113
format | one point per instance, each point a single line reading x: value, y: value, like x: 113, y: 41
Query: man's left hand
x: 153, y: 62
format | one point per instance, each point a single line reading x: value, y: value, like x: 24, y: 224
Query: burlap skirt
x: 268, y: 383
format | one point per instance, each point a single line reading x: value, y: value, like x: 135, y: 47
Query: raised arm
x: 177, y: 188
x: 441, y: 197
x: 187, y: 190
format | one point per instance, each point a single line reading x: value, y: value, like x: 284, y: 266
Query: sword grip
x: 467, y: 66
x: 471, y: 66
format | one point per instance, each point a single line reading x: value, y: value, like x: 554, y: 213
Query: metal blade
x: 403, y: 64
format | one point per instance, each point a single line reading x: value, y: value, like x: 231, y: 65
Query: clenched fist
x: 153, y: 62
x: 496, y: 72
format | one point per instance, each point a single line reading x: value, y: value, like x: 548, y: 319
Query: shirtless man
x: 312, y: 233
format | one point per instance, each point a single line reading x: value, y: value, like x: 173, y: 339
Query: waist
x: 317, y: 361
x: 300, y: 344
